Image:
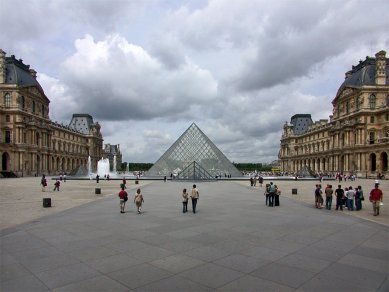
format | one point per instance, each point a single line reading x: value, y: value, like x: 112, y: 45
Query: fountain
x: 103, y: 167
x: 89, y: 166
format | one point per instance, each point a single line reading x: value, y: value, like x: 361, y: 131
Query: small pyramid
x: 193, y: 146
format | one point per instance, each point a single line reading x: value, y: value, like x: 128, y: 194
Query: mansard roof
x: 20, y: 74
x: 363, y: 74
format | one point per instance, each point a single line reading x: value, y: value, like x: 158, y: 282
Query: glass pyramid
x: 193, y: 146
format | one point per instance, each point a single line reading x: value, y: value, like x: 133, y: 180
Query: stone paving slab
x: 233, y: 243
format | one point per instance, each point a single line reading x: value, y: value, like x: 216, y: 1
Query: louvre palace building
x: 355, y: 139
x: 32, y: 144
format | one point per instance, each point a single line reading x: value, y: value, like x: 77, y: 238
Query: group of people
x: 194, y: 195
x: 139, y: 200
x: 123, y: 197
x: 349, y: 197
x: 272, y: 194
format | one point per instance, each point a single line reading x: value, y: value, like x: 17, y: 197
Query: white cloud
x: 147, y: 69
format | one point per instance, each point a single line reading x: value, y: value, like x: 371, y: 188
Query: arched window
x: 7, y: 100
x: 358, y: 103
x: 372, y: 101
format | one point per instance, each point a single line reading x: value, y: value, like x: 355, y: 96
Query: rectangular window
x: 7, y: 136
x: 371, y: 138
x: 371, y: 119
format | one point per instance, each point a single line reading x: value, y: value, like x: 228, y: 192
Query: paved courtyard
x: 233, y: 243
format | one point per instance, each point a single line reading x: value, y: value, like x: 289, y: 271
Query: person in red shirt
x: 123, y: 196
x: 376, y: 198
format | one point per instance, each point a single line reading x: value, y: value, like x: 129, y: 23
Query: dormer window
x: 372, y: 101
x: 7, y: 100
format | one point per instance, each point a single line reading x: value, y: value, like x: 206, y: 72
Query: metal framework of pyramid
x: 193, y: 156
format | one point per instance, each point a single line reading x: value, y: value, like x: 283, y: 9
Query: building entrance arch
x: 384, y: 161
x: 373, y: 162
x: 5, y: 161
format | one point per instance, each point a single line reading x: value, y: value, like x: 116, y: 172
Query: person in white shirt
x: 350, y: 194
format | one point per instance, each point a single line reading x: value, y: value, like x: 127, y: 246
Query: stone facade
x: 355, y: 139
x: 30, y: 143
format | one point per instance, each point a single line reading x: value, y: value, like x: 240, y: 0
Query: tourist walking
x: 339, y: 193
x: 56, y: 185
x: 376, y: 197
x: 350, y: 194
x: 260, y: 179
x: 328, y: 191
x: 43, y: 183
x: 123, y: 197
x: 194, y: 196
x: 185, y: 198
x: 138, y: 200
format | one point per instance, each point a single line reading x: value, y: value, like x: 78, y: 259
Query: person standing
x: 194, y: 196
x: 123, y: 197
x: 318, y: 197
x: 358, y: 201
x: 339, y: 193
x: 350, y: 194
x: 328, y: 191
x: 375, y: 198
x: 277, y: 194
x: 97, y: 178
x: 185, y: 198
x: 43, y: 183
x: 138, y: 200
x: 272, y: 190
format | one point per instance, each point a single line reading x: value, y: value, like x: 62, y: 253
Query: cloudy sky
x: 147, y: 69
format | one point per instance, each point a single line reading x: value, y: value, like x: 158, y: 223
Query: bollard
x: 46, y: 202
x: 136, y: 182
x: 294, y: 191
x: 97, y: 191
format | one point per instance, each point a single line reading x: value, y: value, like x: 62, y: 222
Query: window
x: 7, y: 100
x: 387, y: 100
x: 371, y: 137
x: 358, y: 103
x: 43, y: 110
x: 33, y: 106
x: 371, y: 119
x: 372, y: 101
x: 23, y: 102
x: 347, y: 107
x: 7, y: 118
x: 7, y: 136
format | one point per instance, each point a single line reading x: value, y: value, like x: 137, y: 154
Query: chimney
x: 380, y: 68
x: 2, y: 66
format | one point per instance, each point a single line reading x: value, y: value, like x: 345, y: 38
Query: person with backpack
x: 138, y: 200
x: 123, y: 197
x: 56, y: 185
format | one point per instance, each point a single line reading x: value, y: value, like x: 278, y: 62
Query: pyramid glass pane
x: 193, y: 146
